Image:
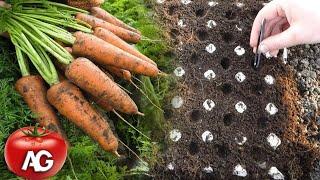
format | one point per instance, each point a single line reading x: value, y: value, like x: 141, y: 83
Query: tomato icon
x: 35, y: 153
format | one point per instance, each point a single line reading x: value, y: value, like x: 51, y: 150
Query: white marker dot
x: 241, y: 107
x: 275, y: 173
x: 269, y: 79
x: 175, y: 135
x: 181, y: 23
x: 207, y: 136
x: 209, y: 75
x: 209, y: 104
x: 271, y: 109
x: 208, y: 170
x: 170, y: 166
x: 160, y: 1
x: 273, y: 141
x: 177, y: 102
x: 240, y: 77
x: 179, y: 72
x: 240, y: 171
x: 241, y: 141
x: 212, y: 3
x: 211, y: 24
x: 239, y: 50
x: 211, y: 48
x: 239, y: 5
x: 186, y: 2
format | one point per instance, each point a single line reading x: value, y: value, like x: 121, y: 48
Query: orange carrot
x: 103, y: 104
x: 104, y: 15
x: 111, y: 38
x: 103, y: 53
x: 33, y: 91
x: 71, y: 103
x: 121, y: 73
x: 90, y: 78
x: 124, y: 34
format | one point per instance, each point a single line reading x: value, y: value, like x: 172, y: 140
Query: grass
x: 86, y: 159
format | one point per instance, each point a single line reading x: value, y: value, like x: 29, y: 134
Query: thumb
x: 282, y: 40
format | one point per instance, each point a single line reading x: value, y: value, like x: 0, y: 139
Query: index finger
x: 270, y: 11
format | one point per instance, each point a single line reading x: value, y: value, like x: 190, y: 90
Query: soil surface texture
x: 225, y: 111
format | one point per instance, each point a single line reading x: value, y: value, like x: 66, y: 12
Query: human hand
x: 288, y: 23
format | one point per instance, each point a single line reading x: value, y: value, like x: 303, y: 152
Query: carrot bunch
x: 84, y: 47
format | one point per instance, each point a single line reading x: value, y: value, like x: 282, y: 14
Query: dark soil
x: 296, y: 154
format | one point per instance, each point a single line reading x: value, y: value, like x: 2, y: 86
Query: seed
x: 207, y: 136
x: 209, y: 104
x: 239, y: 50
x: 175, y: 135
x: 273, y: 141
x: 211, y: 48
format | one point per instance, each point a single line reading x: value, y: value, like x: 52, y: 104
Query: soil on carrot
x: 191, y: 31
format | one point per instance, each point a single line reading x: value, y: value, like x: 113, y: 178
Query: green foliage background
x: 86, y: 160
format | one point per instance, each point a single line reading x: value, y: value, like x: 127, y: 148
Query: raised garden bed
x: 227, y: 119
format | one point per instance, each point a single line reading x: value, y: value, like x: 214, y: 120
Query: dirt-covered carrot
x: 104, y: 15
x: 111, y: 38
x: 34, y: 92
x: 124, y: 34
x: 71, y: 103
x: 91, y: 79
x: 103, y: 104
x: 84, y: 4
x: 121, y: 73
x: 104, y: 53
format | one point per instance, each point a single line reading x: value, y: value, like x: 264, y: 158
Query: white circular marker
x: 186, y: 2
x: 181, y: 23
x: 175, y: 135
x: 177, y: 102
x: 212, y: 3
x: 209, y: 104
x: 179, y: 72
x: 241, y: 107
x: 240, y: 171
x: 211, y: 48
x: 274, y: 141
x: 269, y: 79
x: 207, y: 137
x: 211, y: 24
x: 170, y: 166
x: 271, y: 109
x: 240, y: 77
x: 160, y: 1
x: 208, y: 170
x: 275, y: 173
x: 209, y: 74
x: 241, y: 141
x: 239, y: 50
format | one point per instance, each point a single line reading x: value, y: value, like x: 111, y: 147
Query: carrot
x: 84, y: 4
x: 124, y: 34
x: 103, y: 104
x: 111, y: 38
x: 71, y: 103
x: 91, y: 79
x: 104, y: 15
x: 121, y: 73
x: 103, y: 53
x: 33, y: 91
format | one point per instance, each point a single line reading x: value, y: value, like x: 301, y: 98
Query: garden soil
x: 189, y: 156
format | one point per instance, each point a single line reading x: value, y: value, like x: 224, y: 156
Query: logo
x: 33, y: 160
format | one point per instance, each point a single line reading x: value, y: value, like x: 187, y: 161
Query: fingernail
x: 268, y: 55
x: 263, y: 48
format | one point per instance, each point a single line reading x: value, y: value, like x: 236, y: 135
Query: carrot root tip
x: 162, y: 74
x: 140, y: 113
x: 117, y: 154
